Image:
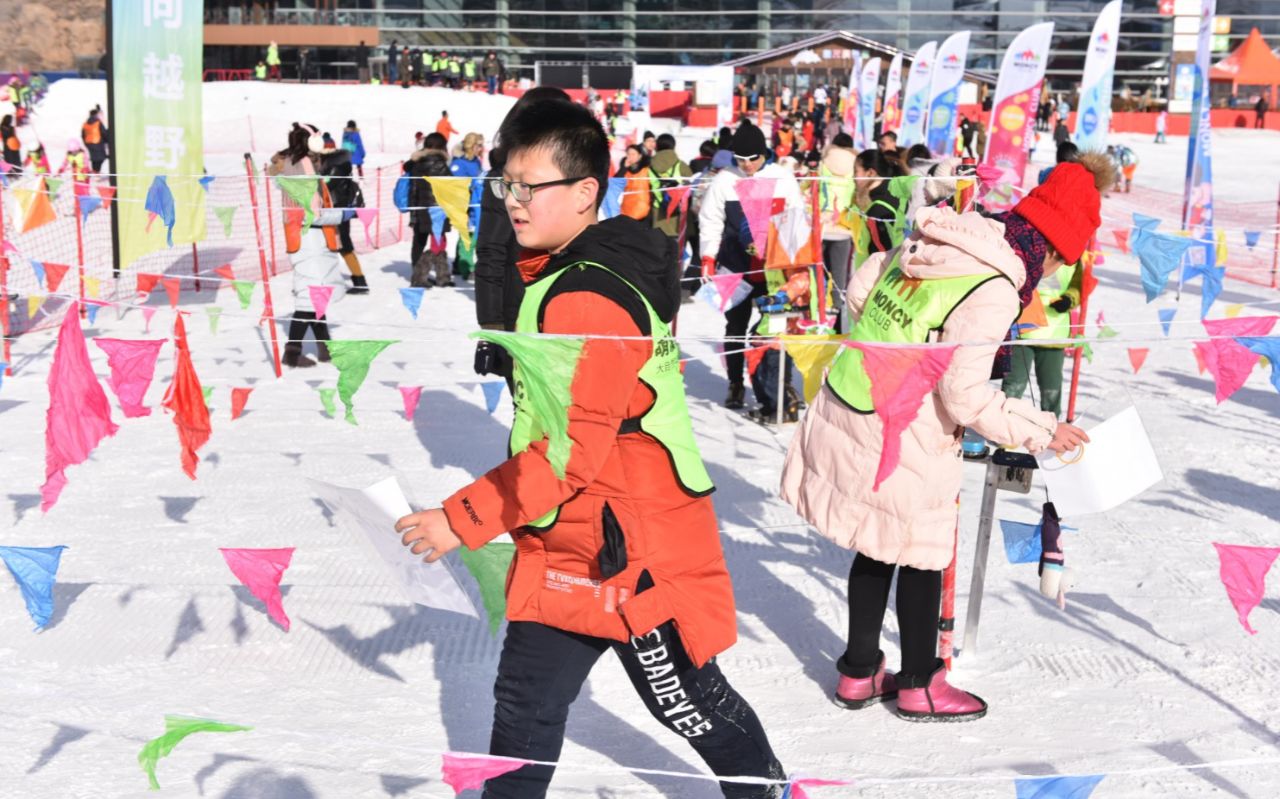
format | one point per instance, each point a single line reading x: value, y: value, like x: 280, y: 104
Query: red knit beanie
x: 1066, y: 209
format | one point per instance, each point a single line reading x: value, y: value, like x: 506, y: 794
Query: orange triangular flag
x: 225, y: 271
x: 1200, y: 364
x: 53, y: 275
x: 1033, y: 315
x: 185, y: 398
x: 173, y: 288
x: 239, y: 396
x: 107, y: 193
x: 39, y: 211
x: 1138, y: 356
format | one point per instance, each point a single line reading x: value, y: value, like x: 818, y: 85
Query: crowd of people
x: 405, y: 65
x: 85, y: 155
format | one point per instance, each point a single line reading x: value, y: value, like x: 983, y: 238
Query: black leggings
x: 919, y: 600
x: 736, y: 321
x: 542, y: 669
x: 302, y: 320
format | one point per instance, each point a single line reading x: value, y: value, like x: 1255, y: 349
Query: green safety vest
x: 1059, y: 326
x: 273, y: 56
x: 667, y: 420
x: 898, y: 311
x: 437, y: 65
x: 879, y: 209
x: 655, y: 182
x: 470, y: 69
x: 260, y: 71
x: 455, y: 67
x: 426, y: 60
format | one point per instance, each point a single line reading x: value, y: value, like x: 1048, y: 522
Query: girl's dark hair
x: 707, y: 149
x: 919, y: 152
x: 435, y: 141
x: 351, y: 123
x: 538, y: 94
x: 1067, y: 151
x: 881, y: 164
x: 666, y: 142
x: 578, y: 145
x: 644, y: 156
x: 842, y: 140
x: 298, y: 136
x: 7, y: 121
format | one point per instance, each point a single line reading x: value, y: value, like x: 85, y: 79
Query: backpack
x: 662, y: 185
x: 401, y: 194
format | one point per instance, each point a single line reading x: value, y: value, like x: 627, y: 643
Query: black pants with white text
x: 543, y: 668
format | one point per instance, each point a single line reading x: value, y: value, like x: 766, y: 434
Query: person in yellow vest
x: 1057, y: 295
x: 455, y: 72
x: 962, y: 280
x: 273, y: 61
x: 75, y: 162
x: 38, y: 161
x: 469, y: 73
x: 260, y: 71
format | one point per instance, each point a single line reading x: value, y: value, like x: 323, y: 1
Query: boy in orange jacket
x: 620, y: 548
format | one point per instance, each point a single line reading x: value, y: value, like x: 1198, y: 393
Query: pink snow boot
x: 858, y: 692
x: 937, y: 700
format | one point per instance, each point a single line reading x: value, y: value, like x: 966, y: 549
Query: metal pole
x: 983, y: 546
x: 111, y: 143
x: 268, y: 311
x: 1078, y: 354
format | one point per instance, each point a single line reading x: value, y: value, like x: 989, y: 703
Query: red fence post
x: 268, y: 311
x: 195, y: 265
x: 1275, y: 248
x: 75, y: 211
x: 271, y: 226
x: 4, y: 289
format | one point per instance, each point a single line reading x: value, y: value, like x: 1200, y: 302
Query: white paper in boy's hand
x: 1118, y: 464
x: 371, y: 514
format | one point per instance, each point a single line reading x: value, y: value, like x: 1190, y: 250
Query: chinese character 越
x: 164, y: 146
x: 167, y: 11
x: 162, y: 79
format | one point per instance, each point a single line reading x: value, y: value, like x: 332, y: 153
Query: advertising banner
x: 944, y: 93
x: 893, y: 97
x: 915, y: 103
x: 1013, y: 115
x: 1094, y: 117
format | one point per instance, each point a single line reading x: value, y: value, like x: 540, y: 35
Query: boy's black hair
x: 842, y: 140
x: 707, y: 149
x: 434, y: 141
x: 880, y: 163
x: 919, y: 152
x: 666, y: 142
x: 648, y: 134
x: 890, y: 134
x: 578, y: 145
x: 1067, y: 151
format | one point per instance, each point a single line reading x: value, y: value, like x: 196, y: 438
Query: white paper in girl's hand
x: 1118, y: 464
x: 371, y: 514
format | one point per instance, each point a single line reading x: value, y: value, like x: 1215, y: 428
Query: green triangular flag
x: 1107, y: 332
x: 300, y: 188
x: 208, y: 394
x: 902, y: 186
x: 489, y: 565
x: 326, y: 398
x: 175, y: 729
x: 214, y: 313
x: 547, y: 366
x: 352, y: 359
x: 225, y: 214
x: 53, y: 184
x: 244, y: 290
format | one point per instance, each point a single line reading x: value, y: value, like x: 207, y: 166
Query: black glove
x: 489, y: 359
x: 1061, y: 305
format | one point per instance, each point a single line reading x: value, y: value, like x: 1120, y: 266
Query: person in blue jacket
x: 466, y: 163
x: 354, y: 144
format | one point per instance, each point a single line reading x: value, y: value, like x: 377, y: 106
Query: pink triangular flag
x: 173, y: 288
x: 410, y: 395
x: 79, y: 416
x: 53, y: 275
x: 133, y: 364
x: 755, y: 195
x: 726, y: 284
x: 225, y: 271
x: 367, y: 217
x: 1138, y: 356
x: 1244, y: 572
x: 239, y: 396
x: 147, y: 313
x: 1100, y: 320
x: 463, y: 772
x: 320, y: 299
x: 147, y: 282
x: 260, y: 570
x: 900, y: 378
x: 797, y: 787
x: 1226, y: 359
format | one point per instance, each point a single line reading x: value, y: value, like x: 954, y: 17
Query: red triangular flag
x: 754, y: 355
x: 1088, y: 283
x: 464, y: 772
x: 1122, y: 240
x: 53, y: 275
x: 1201, y: 366
x: 173, y: 288
x: 1138, y: 356
x: 107, y: 193
x: 225, y: 271
x: 147, y: 282
x: 185, y: 398
x: 239, y: 396
x: 678, y: 196
x: 900, y: 378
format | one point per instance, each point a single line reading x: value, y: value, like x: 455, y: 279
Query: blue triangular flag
x: 1268, y: 348
x: 437, y: 221
x: 493, y: 393
x: 1251, y: 238
x: 1166, y: 318
x: 206, y: 180
x: 1057, y: 787
x: 38, y: 268
x: 1022, y: 542
x: 91, y: 309
x: 4, y: 177
x: 35, y: 569
x: 88, y: 204
x: 611, y: 206
x: 412, y: 299
x: 3, y: 367
x: 1144, y: 222
x: 1159, y: 254
x: 159, y: 203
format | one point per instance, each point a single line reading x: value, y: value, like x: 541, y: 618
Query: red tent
x: 1251, y: 65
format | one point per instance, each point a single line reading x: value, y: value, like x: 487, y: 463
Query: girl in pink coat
x: 960, y: 278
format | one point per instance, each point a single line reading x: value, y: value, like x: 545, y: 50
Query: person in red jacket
x: 620, y: 549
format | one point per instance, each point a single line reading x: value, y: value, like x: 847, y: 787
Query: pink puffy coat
x: 831, y: 465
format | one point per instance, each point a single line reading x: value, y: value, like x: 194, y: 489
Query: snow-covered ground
x: 1144, y: 676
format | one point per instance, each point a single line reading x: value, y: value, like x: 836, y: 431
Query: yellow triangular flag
x: 91, y: 286
x: 1234, y: 310
x: 1222, y: 247
x: 453, y: 195
x: 812, y: 356
x: 33, y: 305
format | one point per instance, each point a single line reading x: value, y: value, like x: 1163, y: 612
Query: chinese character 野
x: 168, y: 12
x: 165, y: 146
x: 162, y: 79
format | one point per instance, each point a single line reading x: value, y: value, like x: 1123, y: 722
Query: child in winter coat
x: 37, y: 161
x: 959, y: 279
x: 431, y: 161
x: 657, y: 592
x: 353, y: 143
x: 636, y: 196
x: 466, y: 164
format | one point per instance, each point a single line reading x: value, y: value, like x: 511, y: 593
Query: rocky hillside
x: 51, y: 34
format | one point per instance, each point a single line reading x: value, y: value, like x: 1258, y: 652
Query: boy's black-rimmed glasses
x: 523, y: 192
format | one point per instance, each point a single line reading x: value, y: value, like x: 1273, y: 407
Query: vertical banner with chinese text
x: 155, y: 110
